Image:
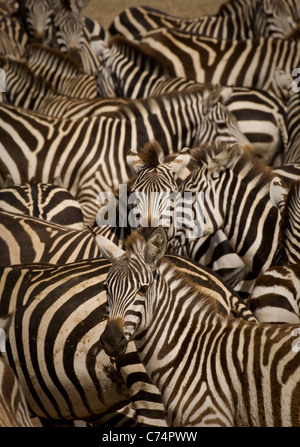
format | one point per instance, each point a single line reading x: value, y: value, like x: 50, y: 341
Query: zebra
x: 225, y: 187
x: 46, y: 148
x: 240, y: 204
x: 71, y: 38
x: 64, y: 308
x: 215, y: 250
x: 37, y: 19
x: 242, y: 63
x: 13, y: 407
x: 287, y: 199
x: 260, y: 116
x: 62, y: 71
x: 126, y: 72
x: 210, y: 371
x: 27, y: 90
x: 235, y: 20
x: 158, y: 199
x: 74, y: 379
x: 275, y: 295
x: 46, y: 201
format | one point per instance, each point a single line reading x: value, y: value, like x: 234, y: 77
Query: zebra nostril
x: 113, y: 340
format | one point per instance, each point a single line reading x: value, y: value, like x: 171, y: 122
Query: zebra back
x: 275, y: 297
x: 209, y: 60
x: 176, y: 120
x: 235, y: 20
x: 61, y: 70
x: 50, y: 202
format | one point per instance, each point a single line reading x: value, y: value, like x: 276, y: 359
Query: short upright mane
x: 151, y: 154
x: 134, y: 243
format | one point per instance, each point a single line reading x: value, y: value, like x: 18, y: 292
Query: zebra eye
x: 143, y: 289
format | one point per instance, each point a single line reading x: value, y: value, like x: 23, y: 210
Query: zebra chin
x: 113, y: 339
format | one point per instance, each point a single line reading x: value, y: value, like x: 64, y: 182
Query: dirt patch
x: 105, y: 12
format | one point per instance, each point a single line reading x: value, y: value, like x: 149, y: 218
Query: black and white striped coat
x: 210, y: 371
x: 13, y: 407
x: 244, y: 63
x: 48, y: 201
x: 236, y: 19
x: 276, y: 293
x: 89, y: 154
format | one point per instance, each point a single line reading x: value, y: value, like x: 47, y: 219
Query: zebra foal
x: 210, y: 371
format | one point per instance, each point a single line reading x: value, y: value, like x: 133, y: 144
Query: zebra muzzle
x: 113, y: 339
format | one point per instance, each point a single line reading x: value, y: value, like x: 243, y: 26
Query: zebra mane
x: 293, y: 195
x: 150, y: 154
x: 202, y: 298
x: 134, y: 243
x: 246, y: 164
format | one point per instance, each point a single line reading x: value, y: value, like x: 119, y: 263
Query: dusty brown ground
x: 105, y: 11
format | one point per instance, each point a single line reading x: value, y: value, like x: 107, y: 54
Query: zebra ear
x: 134, y: 162
x: 180, y: 161
x: 278, y: 193
x: 156, y: 246
x: 108, y: 249
x: 224, y: 159
x: 8, y: 181
x: 58, y: 181
x: 285, y: 83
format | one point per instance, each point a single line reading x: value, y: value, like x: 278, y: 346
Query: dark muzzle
x: 113, y: 339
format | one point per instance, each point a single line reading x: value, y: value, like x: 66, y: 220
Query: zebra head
x: 107, y: 83
x: 154, y: 191
x: 130, y: 285
x: 211, y: 161
x: 69, y: 32
x: 219, y: 124
x: 282, y: 18
x: 38, y: 15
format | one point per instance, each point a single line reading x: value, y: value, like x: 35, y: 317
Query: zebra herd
x: 150, y: 216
